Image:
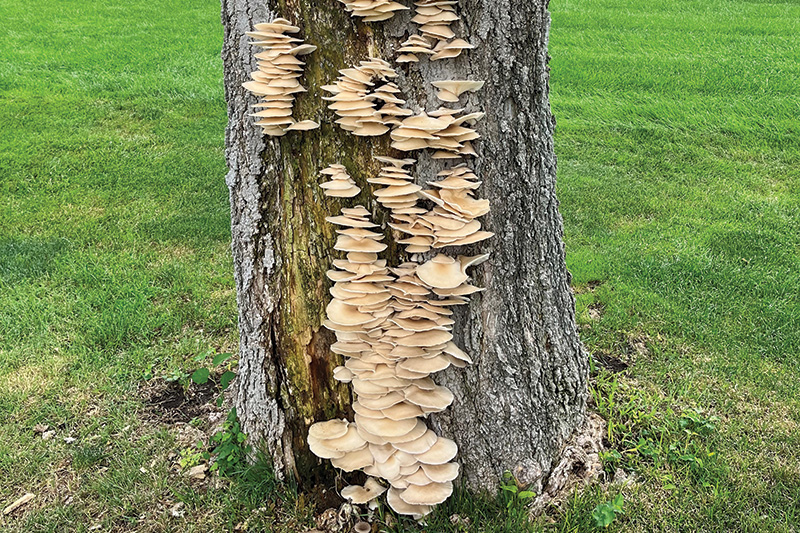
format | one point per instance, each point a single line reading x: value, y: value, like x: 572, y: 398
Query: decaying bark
x: 519, y: 404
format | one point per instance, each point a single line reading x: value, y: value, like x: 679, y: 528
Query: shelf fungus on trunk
x: 437, y: 39
x: 393, y: 324
x: 363, y: 108
x: 450, y: 90
x: 393, y: 327
x: 373, y: 10
x: 340, y: 185
x: 445, y: 130
x: 277, y: 79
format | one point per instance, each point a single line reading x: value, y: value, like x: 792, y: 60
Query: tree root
x: 579, y: 465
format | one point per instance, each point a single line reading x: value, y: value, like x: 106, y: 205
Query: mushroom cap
x: 362, y: 257
x: 354, y: 460
x: 437, y: 399
x: 425, y: 338
x: 440, y: 453
x: 331, y: 429
x: 430, y: 494
x: 425, y: 122
x: 303, y: 125
x: 339, y: 312
x: 382, y: 452
x: 351, y: 222
x: 348, y: 442
x: 442, y: 272
x: 342, y: 374
x: 458, y: 87
x: 348, y: 244
x: 421, y: 444
x: 419, y: 429
x: 319, y: 449
x: 454, y: 351
x: 441, y: 473
x: 389, y: 469
x: 400, y: 163
x: 361, y: 495
x: 402, y: 411
x: 418, y: 478
x: 382, y: 402
x: 426, y: 365
x: 402, y: 507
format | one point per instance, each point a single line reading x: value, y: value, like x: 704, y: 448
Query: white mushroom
x: 429, y: 494
x: 449, y: 91
x: 276, y: 79
x: 360, y: 495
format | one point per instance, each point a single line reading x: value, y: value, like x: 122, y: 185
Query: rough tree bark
x: 518, y: 405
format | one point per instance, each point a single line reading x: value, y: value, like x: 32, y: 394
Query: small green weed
x: 605, y: 513
x: 512, y: 494
x: 230, y: 452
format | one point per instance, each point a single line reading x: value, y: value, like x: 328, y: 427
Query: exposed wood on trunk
x: 517, y: 406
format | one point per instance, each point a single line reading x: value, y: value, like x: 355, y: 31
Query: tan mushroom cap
x: 303, y: 125
x: 340, y: 313
x: 441, y: 473
x: 361, y: 495
x: 400, y: 506
x: 331, y: 429
x: 349, y: 244
x: 323, y: 452
x: 423, y: 365
x: 342, y: 374
x: 348, y: 442
x: 416, y: 432
x: 421, y: 444
x: 418, y: 478
x: 402, y: 411
x: 452, y: 89
x: 430, y: 494
x: 354, y: 460
x: 440, y: 453
x: 438, y: 399
x: 386, y: 427
x: 382, y: 402
x: 442, y: 272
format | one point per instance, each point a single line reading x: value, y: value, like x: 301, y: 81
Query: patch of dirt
x: 595, y: 311
x: 638, y: 346
x: 169, y: 402
x: 609, y: 362
x: 324, y: 498
x: 590, y: 286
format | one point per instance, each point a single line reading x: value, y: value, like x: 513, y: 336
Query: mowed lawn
x: 679, y: 179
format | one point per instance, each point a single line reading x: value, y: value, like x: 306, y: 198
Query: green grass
x: 679, y: 179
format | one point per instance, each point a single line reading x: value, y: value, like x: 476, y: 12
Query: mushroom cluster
x: 373, y: 10
x: 452, y: 221
x: 362, y: 108
x: 340, y: 184
x: 393, y: 327
x: 276, y: 80
x: 437, y: 39
x: 444, y: 130
x: 399, y: 193
x: 450, y: 90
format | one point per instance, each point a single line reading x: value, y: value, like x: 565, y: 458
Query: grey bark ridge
x: 256, y: 392
x: 526, y: 394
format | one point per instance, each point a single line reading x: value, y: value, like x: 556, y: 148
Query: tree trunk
x: 518, y: 405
